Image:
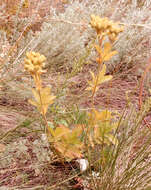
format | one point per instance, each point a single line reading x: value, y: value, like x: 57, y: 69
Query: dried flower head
x: 34, y: 63
x: 104, y: 27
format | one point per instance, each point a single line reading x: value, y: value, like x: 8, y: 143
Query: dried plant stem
x: 88, y: 26
x: 13, y: 130
x: 12, y: 48
x: 43, y: 114
x: 94, y: 90
x: 99, y: 68
x: 141, y: 89
x: 10, y: 131
x: 142, y: 82
x: 39, y: 86
x: 62, y: 182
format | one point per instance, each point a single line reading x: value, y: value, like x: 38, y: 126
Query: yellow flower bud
x: 34, y: 62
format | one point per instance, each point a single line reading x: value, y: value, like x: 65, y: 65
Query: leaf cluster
x: 42, y: 100
x: 67, y: 142
x: 99, y: 79
x: 102, y: 128
x: 70, y: 143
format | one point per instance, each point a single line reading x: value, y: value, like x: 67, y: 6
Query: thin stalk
x: 43, y: 114
x: 96, y: 83
x: 142, y: 82
x: 99, y: 68
x: 13, y: 130
x: 141, y: 88
x: 38, y: 84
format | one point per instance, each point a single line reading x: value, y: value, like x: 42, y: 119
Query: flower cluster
x: 34, y: 63
x: 104, y: 27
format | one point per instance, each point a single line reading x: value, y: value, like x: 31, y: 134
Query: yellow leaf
x: 103, y: 127
x: 51, y: 133
x: 77, y: 130
x: 36, y: 95
x: 61, y: 131
x: 103, y: 70
x: 90, y: 88
x: 109, y: 55
x: 102, y: 77
x: 33, y: 103
x: 67, y: 142
x: 104, y: 115
x: 93, y: 76
x: 43, y: 99
x: 107, y: 48
x: 98, y: 49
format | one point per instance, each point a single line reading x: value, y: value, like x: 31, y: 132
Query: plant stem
x: 142, y: 82
x: 38, y: 84
x: 96, y: 83
x: 99, y: 68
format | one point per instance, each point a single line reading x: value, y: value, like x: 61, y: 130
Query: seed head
x: 34, y: 63
x: 104, y: 27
